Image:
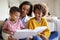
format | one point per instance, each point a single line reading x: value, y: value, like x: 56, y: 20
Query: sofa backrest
x: 1, y: 22
x: 51, y: 25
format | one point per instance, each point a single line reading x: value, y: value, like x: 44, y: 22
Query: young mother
x: 26, y: 11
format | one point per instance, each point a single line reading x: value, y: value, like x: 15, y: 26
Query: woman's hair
x: 27, y: 3
x: 40, y: 8
x: 14, y: 9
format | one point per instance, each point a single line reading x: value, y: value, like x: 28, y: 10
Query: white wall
x: 3, y: 9
x: 14, y: 3
x: 57, y: 8
x: 53, y: 5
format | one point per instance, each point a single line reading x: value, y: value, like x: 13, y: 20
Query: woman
x: 26, y: 11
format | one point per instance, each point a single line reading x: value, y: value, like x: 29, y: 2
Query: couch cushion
x: 51, y: 26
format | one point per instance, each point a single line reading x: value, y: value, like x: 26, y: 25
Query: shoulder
x: 43, y: 18
x: 19, y: 20
x: 28, y: 17
x: 7, y: 21
x: 32, y: 19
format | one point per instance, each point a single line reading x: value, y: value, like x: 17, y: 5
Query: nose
x: 15, y: 17
x: 25, y: 11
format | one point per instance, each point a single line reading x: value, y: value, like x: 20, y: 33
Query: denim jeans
x: 53, y: 35
x: 36, y: 38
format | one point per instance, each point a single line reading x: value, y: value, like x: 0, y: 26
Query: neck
x: 38, y: 20
x: 21, y: 17
x: 13, y: 20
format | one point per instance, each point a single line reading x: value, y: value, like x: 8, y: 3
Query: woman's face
x: 38, y: 14
x: 25, y: 10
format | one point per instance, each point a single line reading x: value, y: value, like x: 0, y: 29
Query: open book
x: 20, y: 34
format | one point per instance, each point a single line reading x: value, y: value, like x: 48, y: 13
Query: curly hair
x: 41, y: 8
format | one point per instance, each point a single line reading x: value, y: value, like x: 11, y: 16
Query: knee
x: 36, y: 38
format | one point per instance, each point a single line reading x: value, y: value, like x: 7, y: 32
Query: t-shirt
x: 34, y: 24
x: 10, y: 26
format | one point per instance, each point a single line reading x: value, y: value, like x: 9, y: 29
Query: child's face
x: 15, y: 15
x: 38, y: 14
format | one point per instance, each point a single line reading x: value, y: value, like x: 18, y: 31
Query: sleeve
x: 47, y: 31
x: 5, y: 27
x: 30, y: 25
x: 45, y: 22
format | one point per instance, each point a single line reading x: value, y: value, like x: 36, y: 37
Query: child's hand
x: 11, y: 37
x: 43, y: 37
x: 30, y: 38
x: 11, y: 33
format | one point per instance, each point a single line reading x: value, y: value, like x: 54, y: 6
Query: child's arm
x: 5, y: 28
x: 8, y: 32
x: 47, y: 31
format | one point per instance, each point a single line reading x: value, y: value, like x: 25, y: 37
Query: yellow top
x: 33, y: 24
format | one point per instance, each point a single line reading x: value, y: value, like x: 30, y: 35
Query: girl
x: 12, y: 24
x: 39, y: 21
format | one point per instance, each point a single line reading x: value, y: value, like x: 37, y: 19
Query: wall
x: 57, y: 8
x: 54, y: 6
x: 3, y: 9
x: 14, y: 2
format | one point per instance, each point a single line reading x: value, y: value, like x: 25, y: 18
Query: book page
x: 39, y: 29
x: 20, y: 34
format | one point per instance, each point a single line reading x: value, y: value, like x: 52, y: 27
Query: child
x: 12, y: 24
x: 39, y: 21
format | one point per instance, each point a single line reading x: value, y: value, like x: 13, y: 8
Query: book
x: 20, y: 34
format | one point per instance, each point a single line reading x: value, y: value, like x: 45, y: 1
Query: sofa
x: 52, y: 23
x: 1, y: 25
